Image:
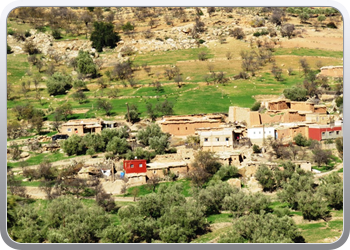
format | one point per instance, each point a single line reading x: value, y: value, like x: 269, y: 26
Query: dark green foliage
x: 151, y: 131
x: 80, y: 97
x: 211, y: 197
x: 322, y: 156
x: 262, y: 32
x: 312, y: 205
x: 339, y: 146
x: 9, y: 49
x: 73, y: 145
x: 331, y: 188
x: 103, y: 35
x: 265, y: 177
x: 113, y: 140
x: 165, y: 216
x: 256, y: 106
x: 56, y: 33
x: 226, y: 172
x: 133, y: 113
x: 58, y: 84
x: 85, y: 64
x: 205, y: 165
x: 105, y: 105
x: 117, y: 145
x: 296, y: 94
x: 301, y: 140
x: 65, y: 220
x: 339, y: 101
x: 263, y: 228
x: 140, y: 154
x: 159, y: 143
x: 239, y: 203
x: 331, y: 25
x: 256, y: 149
x: 297, y: 183
x: 127, y: 27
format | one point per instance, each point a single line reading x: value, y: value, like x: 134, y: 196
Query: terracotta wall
x: 239, y: 114
x: 302, y: 106
x: 184, y: 129
x: 293, y: 117
x: 278, y: 105
x: 321, y: 110
x: 333, y: 72
x: 75, y: 129
x: 290, y: 133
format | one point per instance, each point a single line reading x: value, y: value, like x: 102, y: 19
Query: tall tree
x: 103, y: 35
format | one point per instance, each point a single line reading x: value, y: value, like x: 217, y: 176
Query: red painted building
x: 135, y: 166
x: 325, y: 132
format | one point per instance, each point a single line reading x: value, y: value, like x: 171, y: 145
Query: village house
x: 325, y: 132
x: 187, y: 125
x: 84, y: 126
x: 230, y: 158
x: 221, y: 139
x: 258, y: 134
x: 287, y: 131
x: 161, y: 169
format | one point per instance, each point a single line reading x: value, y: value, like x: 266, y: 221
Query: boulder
x: 234, y: 182
x: 24, y: 154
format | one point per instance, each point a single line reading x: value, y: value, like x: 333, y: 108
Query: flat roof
x: 160, y: 165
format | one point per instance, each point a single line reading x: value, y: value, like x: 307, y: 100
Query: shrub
x: 56, y: 34
x: 202, y: 56
x: 103, y: 35
x: 9, y: 49
x: 30, y: 48
x: 27, y: 33
x: 331, y: 25
x: 127, y: 27
x: 237, y: 33
x: 256, y: 106
x: 58, y: 84
x: 10, y: 32
x: 256, y: 149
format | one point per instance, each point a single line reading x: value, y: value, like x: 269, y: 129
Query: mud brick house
x: 318, y: 118
x: 221, y: 139
x: 287, y: 131
x: 161, y: 169
x: 325, y: 132
x: 84, y: 126
x: 187, y: 125
x: 233, y: 158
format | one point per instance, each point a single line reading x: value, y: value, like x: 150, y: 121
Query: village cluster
x: 230, y: 136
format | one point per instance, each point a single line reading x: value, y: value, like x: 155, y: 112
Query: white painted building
x: 257, y: 134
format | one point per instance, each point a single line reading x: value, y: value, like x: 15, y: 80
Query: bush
x: 301, y: 140
x: 10, y: 32
x: 202, y: 56
x: 58, y: 84
x: 237, y: 33
x: 331, y: 25
x: 27, y: 33
x: 85, y: 64
x: 256, y: 149
x: 9, y: 49
x: 56, y: 34
x: 103, y: 35
x: 256, y: 106
x: 296, y: 94
x: 127, y: 27
x: 30, y: 48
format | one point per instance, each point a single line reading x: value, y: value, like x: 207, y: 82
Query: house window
x: 323, y: 133
x: 140, y: 165
x: 186, y: 128
x: 269, y: 132
x: 217, y: 139
x: 205, y: 139
x: 131, y: 165
x: 254, y: 133
x: 178, y: 128
x: 337, y: 132
x: 154, y: 171
x: 259, y: 132
x: 227, y: 139
x: 69, y: 129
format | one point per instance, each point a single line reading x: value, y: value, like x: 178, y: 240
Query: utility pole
x: 127, y: 105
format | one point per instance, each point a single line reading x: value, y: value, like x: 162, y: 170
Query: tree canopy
x: 103, y: 35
